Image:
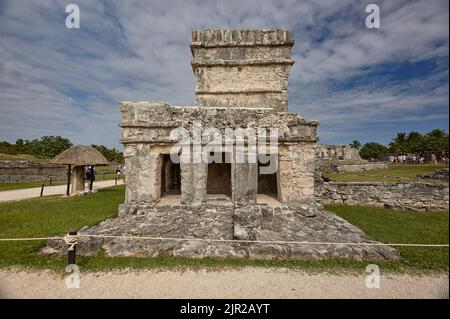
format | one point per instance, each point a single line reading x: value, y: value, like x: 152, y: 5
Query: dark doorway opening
x: 267, y: 183
x: 170, y: 177
x: 219, y: 178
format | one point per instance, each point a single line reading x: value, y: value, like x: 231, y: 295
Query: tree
x: 53, y: 145
x: 112, y: 155
x: 7, y: 148
x: 414, y: 142
x: 435, y: 141
x: 399, y: 144
x: 356, y: 144
x: 373, y: 150
x: 46, y: 146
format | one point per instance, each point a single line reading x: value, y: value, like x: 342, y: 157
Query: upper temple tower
x: 242, y: 68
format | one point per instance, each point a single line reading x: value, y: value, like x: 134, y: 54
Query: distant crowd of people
x: 420, y: 158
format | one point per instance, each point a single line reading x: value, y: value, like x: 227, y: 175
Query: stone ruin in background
x: 241, y: 82
x: 334, y: 158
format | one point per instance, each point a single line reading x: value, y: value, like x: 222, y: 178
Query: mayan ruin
x: 236, y: 169
x: 224, y: 154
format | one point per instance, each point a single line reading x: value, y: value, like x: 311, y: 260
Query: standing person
x: 414, y: 159
x: 433, y: 159
x: 91, y: 177
x: 88, y: 174
x: 118, y: 173
x: 421, y: 159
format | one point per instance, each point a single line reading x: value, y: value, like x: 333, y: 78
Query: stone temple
x: 205, y: 193
x: 242, y: 82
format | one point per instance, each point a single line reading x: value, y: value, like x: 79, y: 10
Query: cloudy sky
x: 359, y: 83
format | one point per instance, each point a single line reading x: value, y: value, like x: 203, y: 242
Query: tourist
x: 89, y: 172
x: 414, y: 159
x: 433, y: 159
x: 119, y: 173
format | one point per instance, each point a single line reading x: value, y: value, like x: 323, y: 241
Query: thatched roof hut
x: 80, y: 155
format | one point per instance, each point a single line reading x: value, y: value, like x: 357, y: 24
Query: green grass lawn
x: 53, y: 216
x: 401, y: 227
x: 50, y: 216
x: 395, y: 173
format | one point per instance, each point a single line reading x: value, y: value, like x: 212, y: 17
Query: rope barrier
x: 73, y: 240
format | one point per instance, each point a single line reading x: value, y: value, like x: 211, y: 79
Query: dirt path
x: 244, y: 283
x: 19, y: 194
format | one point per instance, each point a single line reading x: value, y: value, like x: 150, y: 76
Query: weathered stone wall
x: 332, y: 166
x: 152, y: 122
x: 146, y: 135
x: 360, y: 167
x: 28, y: 171
x: 410, y: 196
x: 296, y: 172
x: 439, y: 174
x: 242, y: 68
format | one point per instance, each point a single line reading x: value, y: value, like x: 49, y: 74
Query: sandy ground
x: 19, y: 194
x: 244, y: 283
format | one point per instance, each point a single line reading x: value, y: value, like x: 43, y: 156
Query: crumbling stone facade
x: 242, y: 82
x: 242, y: 68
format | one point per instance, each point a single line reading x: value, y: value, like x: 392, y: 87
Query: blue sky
x: 359, y: 83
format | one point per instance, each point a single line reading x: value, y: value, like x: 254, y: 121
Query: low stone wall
x: 335, y: 166
x: 360, y: 167
x: 410, y: 196
x: 28, y: 171
x: 439, y: 174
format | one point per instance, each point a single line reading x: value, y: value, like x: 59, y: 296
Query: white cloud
x: 68, y: 82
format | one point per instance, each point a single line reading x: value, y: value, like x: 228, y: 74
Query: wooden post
x: 91, y: 182
x: 71, y: 254
x: 50, y: 182
x: 42, y: 189
x: 68, y: 180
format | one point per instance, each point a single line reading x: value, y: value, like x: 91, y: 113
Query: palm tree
x: 356, y: 145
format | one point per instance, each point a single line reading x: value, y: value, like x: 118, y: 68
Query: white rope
x: 72, y: 240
